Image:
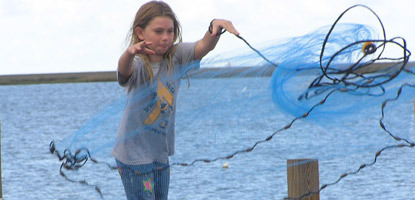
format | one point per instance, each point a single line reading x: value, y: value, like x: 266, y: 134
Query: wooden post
x: 303, y: 178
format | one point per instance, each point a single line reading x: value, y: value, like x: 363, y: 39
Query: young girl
x: 150, y: 70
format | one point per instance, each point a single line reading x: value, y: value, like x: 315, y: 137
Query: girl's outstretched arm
x: 209, y: 41
x: 125, y: 63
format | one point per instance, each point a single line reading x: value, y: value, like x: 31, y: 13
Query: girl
x: 150, y: 70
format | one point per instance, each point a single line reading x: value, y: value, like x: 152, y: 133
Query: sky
x: 57, y: 36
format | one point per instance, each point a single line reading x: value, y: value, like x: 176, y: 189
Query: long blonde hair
x: 144, y: 15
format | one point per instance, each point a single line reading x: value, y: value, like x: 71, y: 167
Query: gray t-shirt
x: 146, y: 131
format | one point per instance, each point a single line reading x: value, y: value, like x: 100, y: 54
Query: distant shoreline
x: 73, y: 77
x: 109, y: 76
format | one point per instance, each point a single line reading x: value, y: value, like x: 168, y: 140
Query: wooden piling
x: 303, y: 178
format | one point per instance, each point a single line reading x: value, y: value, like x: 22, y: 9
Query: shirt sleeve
x: 128, y: 82
x: 185, y: 53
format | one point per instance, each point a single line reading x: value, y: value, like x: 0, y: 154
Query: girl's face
x: 160, y: 31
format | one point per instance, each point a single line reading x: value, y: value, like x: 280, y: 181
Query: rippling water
x: 34, y: 115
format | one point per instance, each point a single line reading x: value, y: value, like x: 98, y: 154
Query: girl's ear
x: 139, y: 32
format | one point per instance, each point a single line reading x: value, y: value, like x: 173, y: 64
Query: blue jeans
x: 145, y: 182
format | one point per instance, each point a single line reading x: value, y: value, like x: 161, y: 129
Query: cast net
x: 343, y: 84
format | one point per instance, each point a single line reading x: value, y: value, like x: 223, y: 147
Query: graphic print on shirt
x: 163, y: 105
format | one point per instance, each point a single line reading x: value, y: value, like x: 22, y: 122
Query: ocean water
x: 215, y: 117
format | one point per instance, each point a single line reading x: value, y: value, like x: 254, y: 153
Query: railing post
x: 303, y: 178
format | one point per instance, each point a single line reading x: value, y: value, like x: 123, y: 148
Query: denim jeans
x: 145, y: 182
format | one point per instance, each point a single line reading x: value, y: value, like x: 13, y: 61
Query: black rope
x: 324, y: 69
x: 369, y: 49
x: 268, y: 138
x: 351, y: 74
x: 76, y: 161
x: 407, y: 144
x: 258, y: 52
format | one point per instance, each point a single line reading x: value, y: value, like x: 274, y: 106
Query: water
x: 34, y: 115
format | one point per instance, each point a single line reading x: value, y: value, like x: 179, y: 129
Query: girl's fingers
x: 230, y: 28
x: 149, y: 51
x: 234, y: 31
x: 145, y: 49
x: 225, y: 24
x: 142, y: 48
x: 215, y: 31
x: 143, y: 44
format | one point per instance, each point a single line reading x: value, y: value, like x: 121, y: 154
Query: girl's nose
x: 165, y: 36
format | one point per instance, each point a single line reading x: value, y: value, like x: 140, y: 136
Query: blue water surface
x: 215, y: 117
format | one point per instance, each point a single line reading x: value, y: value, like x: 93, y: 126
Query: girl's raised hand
x: 140, y: 48
x: 218, y: 24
